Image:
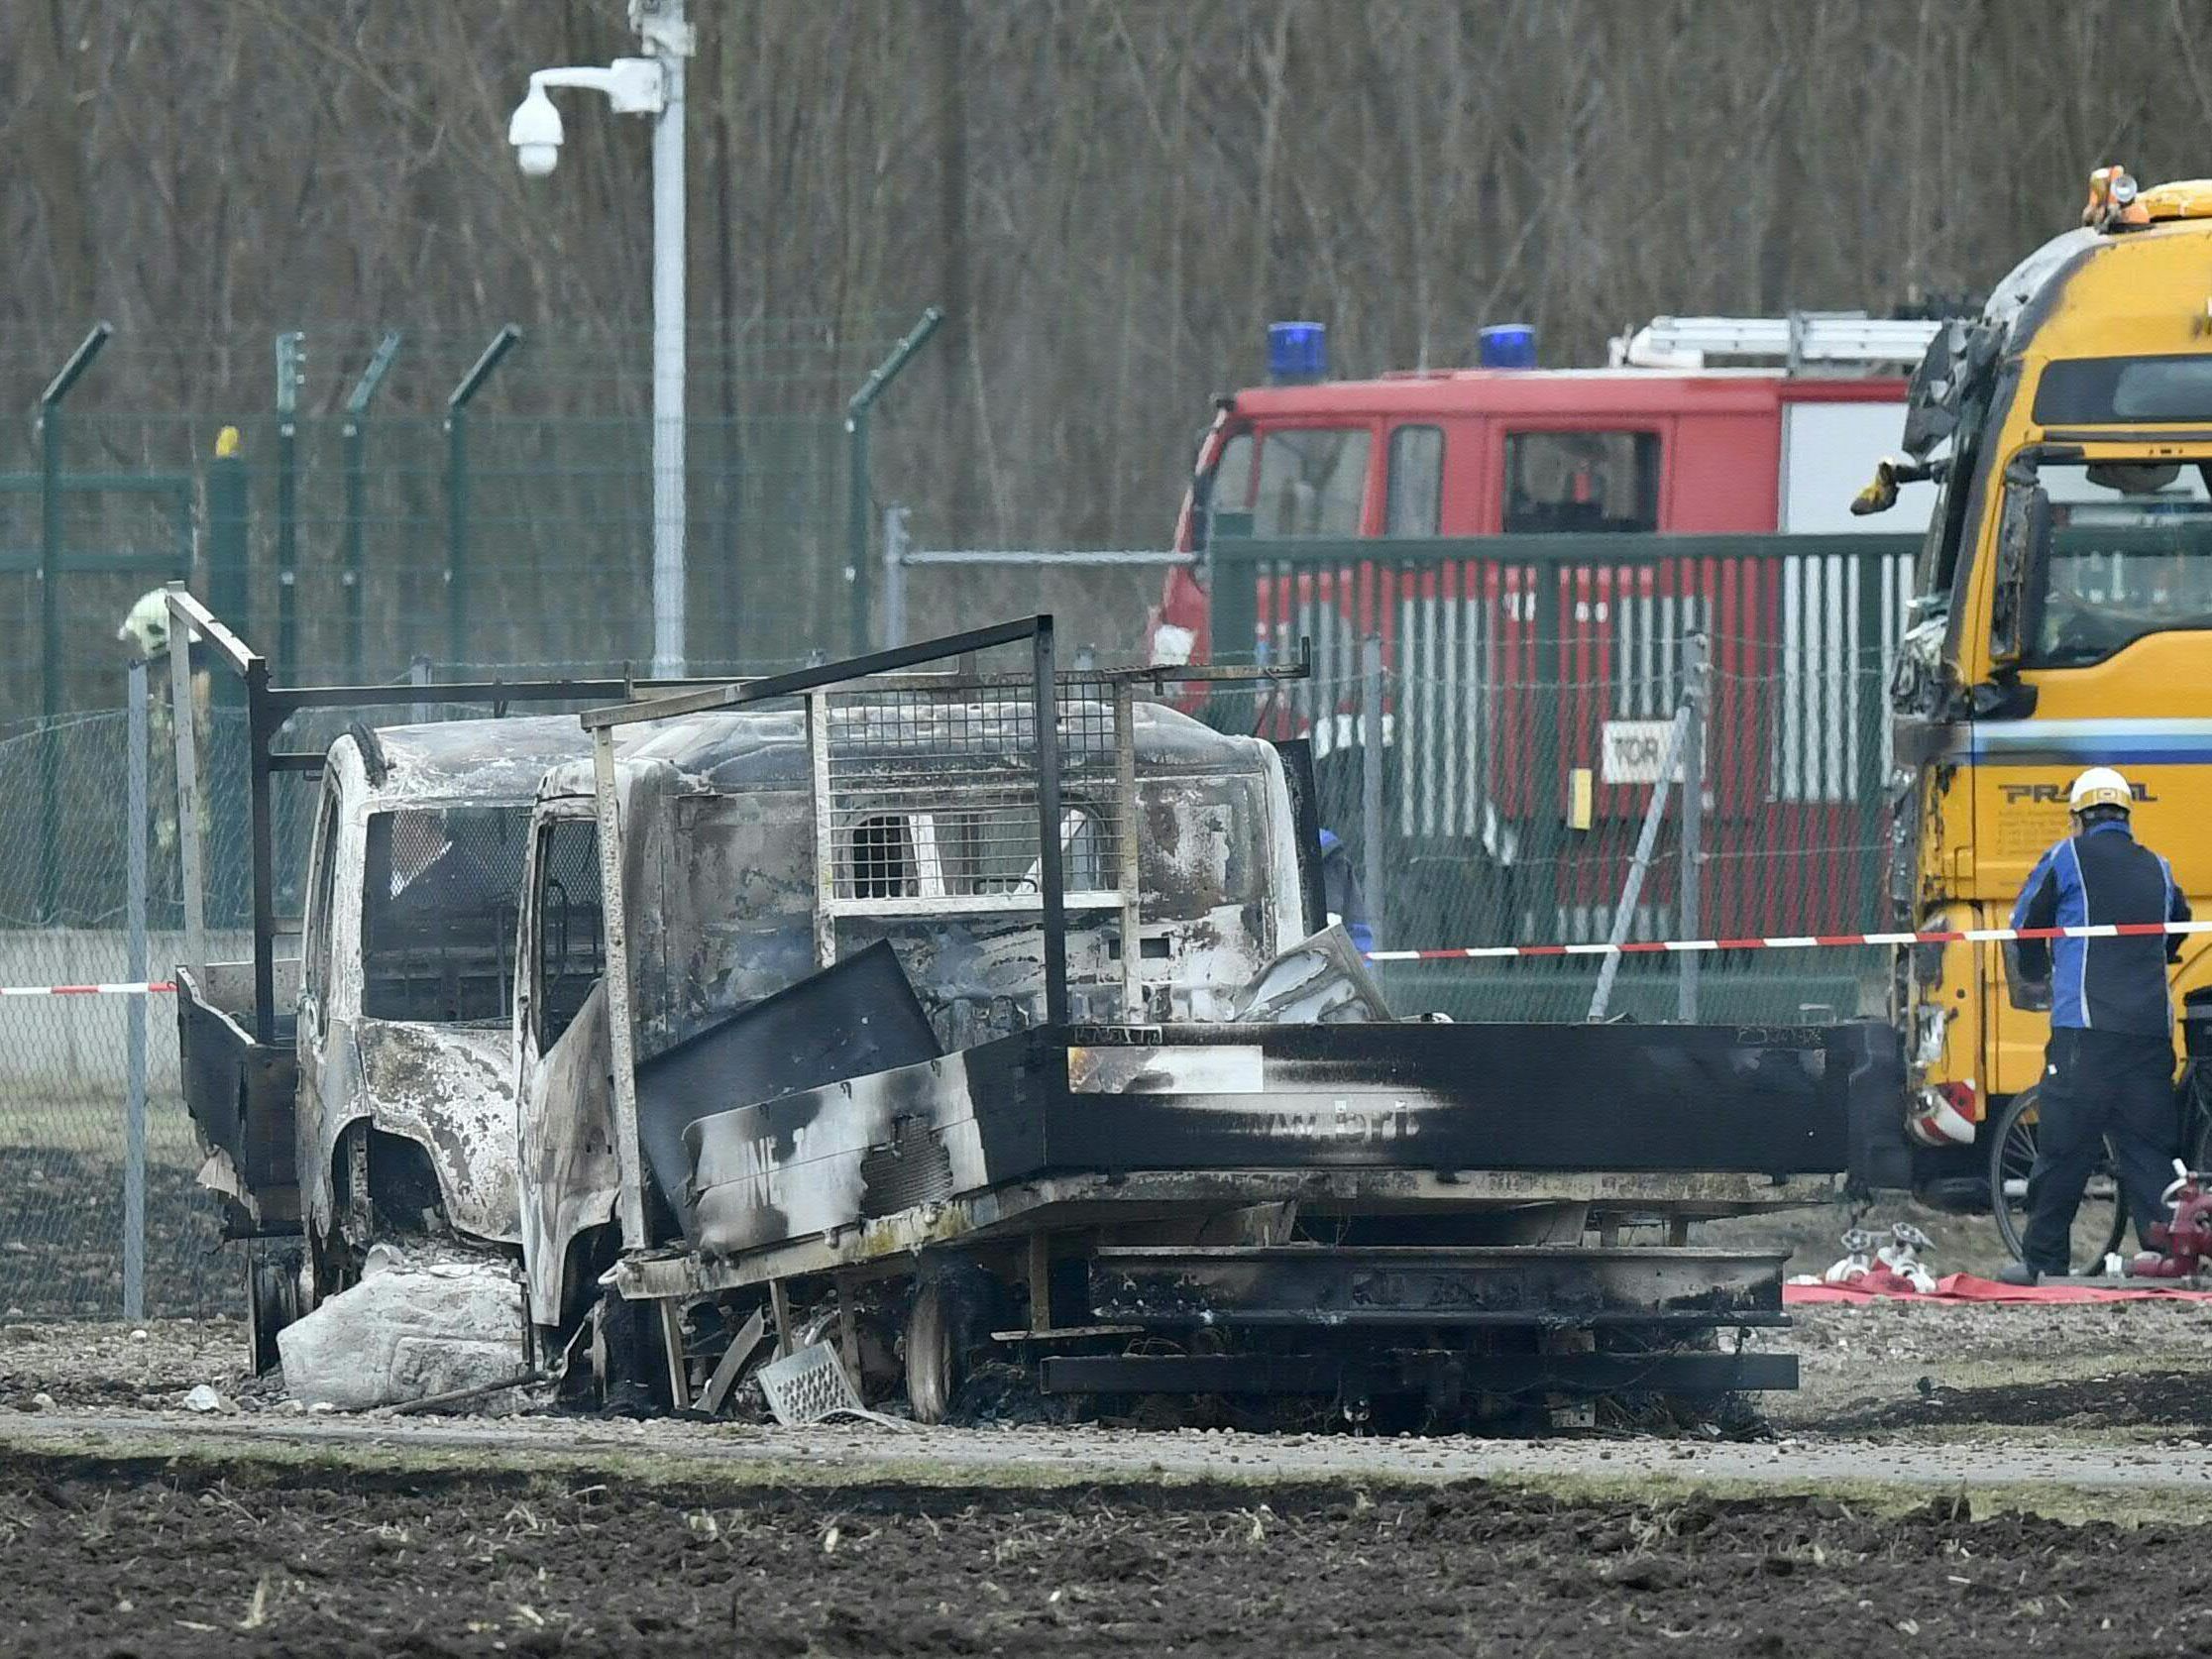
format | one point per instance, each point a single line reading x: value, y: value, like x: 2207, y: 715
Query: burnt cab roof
x: 471, y: 759
x: 762, y: 749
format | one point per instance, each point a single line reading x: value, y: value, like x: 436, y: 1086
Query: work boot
x: 2018, y: 1273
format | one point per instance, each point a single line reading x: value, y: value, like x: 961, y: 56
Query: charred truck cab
x: 2064, y: 598
x: 924, y: 1011
x: 352, y: 1081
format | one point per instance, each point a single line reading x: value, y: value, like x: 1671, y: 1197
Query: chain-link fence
x: 65, y: 1059
x: 1528, y: 836
x: 350, y: 518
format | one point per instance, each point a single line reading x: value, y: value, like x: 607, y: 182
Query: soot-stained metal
x: 401, y: 1013
x: 906, y: 815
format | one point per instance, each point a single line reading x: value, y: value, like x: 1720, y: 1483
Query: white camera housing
x: 632, y: 87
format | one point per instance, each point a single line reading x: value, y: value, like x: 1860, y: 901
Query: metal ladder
x: 1801, y: 340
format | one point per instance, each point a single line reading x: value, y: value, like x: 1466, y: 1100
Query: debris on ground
x: 419, y: 1325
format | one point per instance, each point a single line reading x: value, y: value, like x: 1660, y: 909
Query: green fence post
x: 858, y: 494
x: 50, y: 613
x: 228, y: 595
x: 291, y: 364
x: 457, y: 489
x: 226, y: 543
x: 352, y: 574
x: 1233, y: 571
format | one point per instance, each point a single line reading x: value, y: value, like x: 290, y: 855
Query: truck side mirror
x: 2023, y: 554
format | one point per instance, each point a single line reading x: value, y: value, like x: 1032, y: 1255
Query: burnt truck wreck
x: 928, y: 1019
x: 944, y: 1023
x: 353, y: 1083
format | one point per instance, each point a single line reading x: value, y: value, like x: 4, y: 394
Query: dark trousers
x: 2100, y: 1086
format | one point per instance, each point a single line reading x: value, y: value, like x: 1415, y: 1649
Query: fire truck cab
x: 1663, y: 439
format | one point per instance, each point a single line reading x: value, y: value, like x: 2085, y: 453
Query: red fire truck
x: 1700, y: 426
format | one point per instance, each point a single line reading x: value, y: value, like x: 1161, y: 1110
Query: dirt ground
x: 155, y: 1560
x: 1949, y: 1480
x: 63, y: 1252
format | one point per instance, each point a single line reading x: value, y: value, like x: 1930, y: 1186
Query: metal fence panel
x: 1529, y: 681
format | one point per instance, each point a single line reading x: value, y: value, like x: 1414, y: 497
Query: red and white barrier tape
x: 137, y: 988
x: 1797, y: 942
x: 1486, y: 953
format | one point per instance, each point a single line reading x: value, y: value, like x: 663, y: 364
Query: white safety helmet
x: 2100, y: 786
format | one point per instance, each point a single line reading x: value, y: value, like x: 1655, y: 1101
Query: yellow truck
x: 2062, y: 618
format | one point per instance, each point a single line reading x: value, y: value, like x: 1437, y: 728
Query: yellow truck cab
x: 2062, y: 619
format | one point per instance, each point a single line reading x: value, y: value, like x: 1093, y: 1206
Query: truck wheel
x: 2099, y: 1224
x: 951, y: 1318
x: 273, y: 1299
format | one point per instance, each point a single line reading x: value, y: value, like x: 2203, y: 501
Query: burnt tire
x: 273, y: 1299
x: 948, y: 1327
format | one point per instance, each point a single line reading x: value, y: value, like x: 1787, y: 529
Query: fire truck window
x: 1581, y: 482
x: 1312, y: 481
x: 1414, y: 504
x: 1232, y: 490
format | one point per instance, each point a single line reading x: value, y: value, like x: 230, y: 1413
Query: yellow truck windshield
x: 2130, y: 555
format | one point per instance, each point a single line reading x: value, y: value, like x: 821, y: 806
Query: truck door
x: 569, y: 1174
x: 318, y: 960
x: 1307, y: 481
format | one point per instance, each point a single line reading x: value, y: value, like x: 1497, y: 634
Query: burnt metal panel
x: 241, y: 1095
x: 853, y: 1019
x: 1453, y: 1101
x: 820, y: 1159
x: 1306, y: 812
x: 1567, y: 1285
x: 1880, y: 1156
x: 1423, y: 1372
x: 1758, y: 1100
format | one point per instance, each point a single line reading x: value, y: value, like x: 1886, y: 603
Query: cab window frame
x: 1336, y: 517
x: 584, y: 826
x: 1432, y: 486
x: 1650, y: 441
x: 2122, y: 566
x: 318, y: 949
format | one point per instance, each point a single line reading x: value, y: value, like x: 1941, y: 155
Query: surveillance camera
x: 536, y: 133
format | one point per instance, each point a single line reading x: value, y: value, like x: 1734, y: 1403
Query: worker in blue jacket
x: 2108, y: 1073
x: 1340, y: 894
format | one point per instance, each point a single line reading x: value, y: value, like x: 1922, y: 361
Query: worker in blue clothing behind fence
x: 2108, y: 1074
x: 1340, y: 894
